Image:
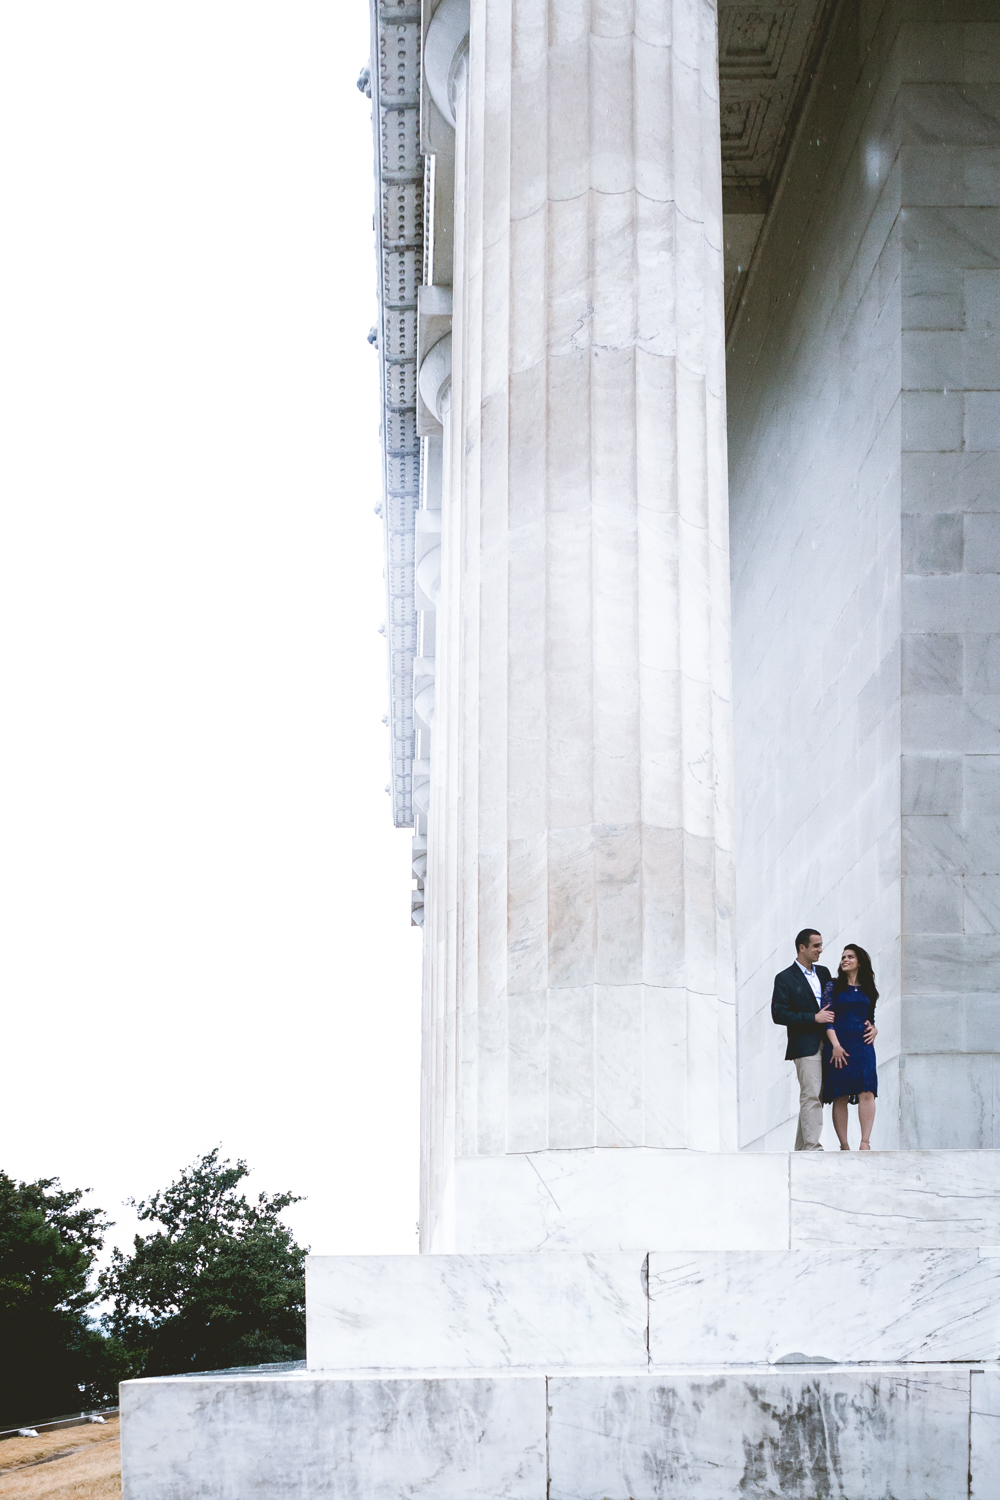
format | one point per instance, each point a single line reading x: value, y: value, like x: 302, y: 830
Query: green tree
x: 52, y: 1358
x: 220, y: 1283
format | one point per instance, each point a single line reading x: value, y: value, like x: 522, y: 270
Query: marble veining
x: 686, y: 1200
x: 329, y: 1438
x: 477, y: 1311
x: 621, y: 1200
x: 826, y: 1303
x: 896, y: 1199
x: 797, y: 1435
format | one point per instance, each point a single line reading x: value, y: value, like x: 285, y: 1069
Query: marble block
x: 475, y: 1311
x: 630, y: 1199
x: 797, y: 1434
x: 826, y: 1303
x: 904, y: 1199
x: 984, y: 1436
x: 259, y: 1437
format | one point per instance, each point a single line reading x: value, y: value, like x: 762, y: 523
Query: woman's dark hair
x: 866, y: 975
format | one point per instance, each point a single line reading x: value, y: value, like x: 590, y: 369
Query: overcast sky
x: 204, y: 907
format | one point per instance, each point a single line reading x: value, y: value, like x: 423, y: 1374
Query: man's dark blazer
x: 794, y: 1005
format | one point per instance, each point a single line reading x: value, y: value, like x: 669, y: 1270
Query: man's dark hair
x: 802, y: 940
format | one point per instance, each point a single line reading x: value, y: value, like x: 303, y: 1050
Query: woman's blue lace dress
x: 852, y: 1008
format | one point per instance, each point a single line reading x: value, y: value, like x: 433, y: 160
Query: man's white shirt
x: 813, y: 979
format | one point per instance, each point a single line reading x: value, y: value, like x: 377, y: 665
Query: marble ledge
x: 896, y: 1199
x: 476, y: 1311
x: 554, y: 1310
x: 673, y: 1434
x: 825, y: 1305
x: 600, y: 1200
x: 701, y: 1369
x: 263, y: 1437
x: 794, y: 1434
x: 616, y: 1199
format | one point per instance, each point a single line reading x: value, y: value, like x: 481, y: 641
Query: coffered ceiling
x: 767, y: 55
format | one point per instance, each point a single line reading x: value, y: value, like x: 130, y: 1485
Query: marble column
x: 583, y: 694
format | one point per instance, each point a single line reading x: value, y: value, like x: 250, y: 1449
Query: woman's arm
x: 839, y: 1055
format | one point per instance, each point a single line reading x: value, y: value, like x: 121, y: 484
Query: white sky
x: 204, y: 907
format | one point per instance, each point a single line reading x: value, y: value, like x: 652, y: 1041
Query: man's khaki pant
x: 810, y: 1073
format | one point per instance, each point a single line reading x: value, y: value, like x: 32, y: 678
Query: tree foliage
x: 220, y: 1283
x: 52, y: 1359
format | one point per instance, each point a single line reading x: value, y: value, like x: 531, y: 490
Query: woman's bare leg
x: 840, y: 1122
x: 866, y: 1114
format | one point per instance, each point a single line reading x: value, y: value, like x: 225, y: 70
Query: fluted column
x: 589, y: 605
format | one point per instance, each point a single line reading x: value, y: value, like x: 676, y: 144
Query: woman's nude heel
x: 864, y: 1146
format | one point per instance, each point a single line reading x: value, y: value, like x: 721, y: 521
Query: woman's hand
x: 871, y: 1032
x: 839, y: 1057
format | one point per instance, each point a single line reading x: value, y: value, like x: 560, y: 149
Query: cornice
x: 399, y: 221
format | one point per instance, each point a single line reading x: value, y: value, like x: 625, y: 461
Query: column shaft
x: 587, y: 612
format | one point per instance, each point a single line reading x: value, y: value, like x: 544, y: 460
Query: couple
x: 830, y: 1035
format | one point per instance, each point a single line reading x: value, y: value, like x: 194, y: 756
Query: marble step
x: 476, y: 1311
x: 644, y: 1198
x: 707, y: 1434
x: 627, y: 1310
x: 827, y: 1303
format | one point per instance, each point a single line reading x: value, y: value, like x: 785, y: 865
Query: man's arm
x: 871, y: 1030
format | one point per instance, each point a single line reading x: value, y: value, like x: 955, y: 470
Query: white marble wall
x: 865, y: 586
x: 814, y: 480
x: 949, y: 128
x: 582, y: 729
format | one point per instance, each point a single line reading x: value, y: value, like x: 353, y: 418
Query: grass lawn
x: 79, y: 1463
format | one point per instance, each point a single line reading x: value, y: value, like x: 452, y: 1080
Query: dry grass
x: 92, y: 1473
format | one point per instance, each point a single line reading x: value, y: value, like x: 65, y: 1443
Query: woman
x: 849, y: 1073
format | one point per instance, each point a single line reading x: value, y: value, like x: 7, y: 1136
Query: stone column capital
x: 445, y: 49
x: 435, y: 377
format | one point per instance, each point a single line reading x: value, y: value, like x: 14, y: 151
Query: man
x: 795, y: 1003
